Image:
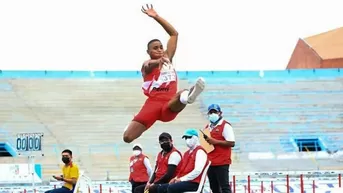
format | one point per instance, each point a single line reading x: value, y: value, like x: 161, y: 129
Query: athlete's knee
x: 133, y: 131
x: 126, y: 135
x: 127, y: 138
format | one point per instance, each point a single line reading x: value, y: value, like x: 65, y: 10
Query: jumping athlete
x: 160, y: 84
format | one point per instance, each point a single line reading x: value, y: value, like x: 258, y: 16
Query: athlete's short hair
x: 151, y: 41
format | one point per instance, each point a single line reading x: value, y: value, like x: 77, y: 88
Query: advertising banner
x: 20, y: 173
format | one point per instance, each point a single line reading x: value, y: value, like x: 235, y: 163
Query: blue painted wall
x: 182, y: 74
x: 38, y: 170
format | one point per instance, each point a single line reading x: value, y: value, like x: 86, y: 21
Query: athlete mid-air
x: 160, y: 84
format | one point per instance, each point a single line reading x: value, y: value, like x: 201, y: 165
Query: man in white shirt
x: 194, y: 162
x: 167, y: 165
x: 223, y: 139
x: 140, y: 167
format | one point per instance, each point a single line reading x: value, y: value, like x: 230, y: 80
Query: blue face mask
x: 213, y: 117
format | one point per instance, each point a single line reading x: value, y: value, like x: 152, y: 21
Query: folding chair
x: 83, y: 184
x: 202, y: 180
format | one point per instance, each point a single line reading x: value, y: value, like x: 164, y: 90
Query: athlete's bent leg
x: 175, y: 104
x: 182, y: 98
x: 133, y: 131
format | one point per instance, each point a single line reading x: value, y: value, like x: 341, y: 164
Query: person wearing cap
x: 140, y: 167
x: 167, y: 165
x: 223, y: 139
x: 194, y: 162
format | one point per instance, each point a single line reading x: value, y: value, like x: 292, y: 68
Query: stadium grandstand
x: 287, y: 116
x: 285, y: 121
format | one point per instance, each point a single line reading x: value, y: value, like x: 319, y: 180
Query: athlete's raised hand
x: 149, y: 10
x: 172, y: 43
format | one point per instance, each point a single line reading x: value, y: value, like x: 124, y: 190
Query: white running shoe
x: 196, y: 90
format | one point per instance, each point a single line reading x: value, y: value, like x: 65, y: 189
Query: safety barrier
x: 302, y: 183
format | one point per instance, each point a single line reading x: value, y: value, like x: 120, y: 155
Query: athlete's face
x: 155, y: 50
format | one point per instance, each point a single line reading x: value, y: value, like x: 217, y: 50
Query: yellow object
x: 313, y: 158
x: 70, y: 171
x: 208, y: 147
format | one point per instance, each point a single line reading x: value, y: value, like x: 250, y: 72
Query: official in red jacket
x: 223, y: 139
x: 167, y: 165
x: 194, y: 162
x: 140, y: 167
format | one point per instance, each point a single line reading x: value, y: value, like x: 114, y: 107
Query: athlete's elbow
x: 175, y: 34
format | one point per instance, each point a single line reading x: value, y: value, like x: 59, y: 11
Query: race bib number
x: 168, y: 76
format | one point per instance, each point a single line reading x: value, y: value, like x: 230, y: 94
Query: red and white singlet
x: 161, y: 84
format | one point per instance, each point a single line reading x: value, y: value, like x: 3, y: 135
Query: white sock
x: 184, y: 97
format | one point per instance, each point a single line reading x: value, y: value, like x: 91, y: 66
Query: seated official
x: 140, y: 168
x: 167, y: 165
x: 70, y: 174
x: 194, y: 162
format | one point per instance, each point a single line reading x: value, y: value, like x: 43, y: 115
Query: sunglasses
x: 187, y: 137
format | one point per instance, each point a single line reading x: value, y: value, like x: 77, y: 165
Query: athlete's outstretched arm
x: 172, y: 43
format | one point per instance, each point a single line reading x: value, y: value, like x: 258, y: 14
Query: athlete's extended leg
x: 133, y: 131
x: 182, y: 98
x: 146, y: 117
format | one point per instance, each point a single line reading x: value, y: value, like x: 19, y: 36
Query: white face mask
x: 136, y: 152
x: 192, y: 142
x: 213, y: 117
